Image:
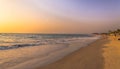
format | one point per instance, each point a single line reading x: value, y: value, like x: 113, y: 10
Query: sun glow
x: 15, y: 18
x: 31, y: 16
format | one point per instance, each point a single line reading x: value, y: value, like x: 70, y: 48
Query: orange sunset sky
x: 46, y: 16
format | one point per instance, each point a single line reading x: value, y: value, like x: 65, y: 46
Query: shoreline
x: 52, y: 57
x: 84, y: 58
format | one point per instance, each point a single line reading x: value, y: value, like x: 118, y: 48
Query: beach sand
x: 102, y: 54
x: 112, y: 54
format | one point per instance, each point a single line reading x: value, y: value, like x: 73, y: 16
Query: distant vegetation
x: 115, y: 32
x: 110, y: 32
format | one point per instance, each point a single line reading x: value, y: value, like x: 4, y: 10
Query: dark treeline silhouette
x: 115, y: 32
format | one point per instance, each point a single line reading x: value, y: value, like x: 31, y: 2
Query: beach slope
x: 90, y: 57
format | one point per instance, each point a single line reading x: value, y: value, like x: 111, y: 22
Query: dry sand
x: 112, y: 54
x: 102, y: 54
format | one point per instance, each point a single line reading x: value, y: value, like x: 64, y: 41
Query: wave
x: 17, y: 46
x: 13, y: 41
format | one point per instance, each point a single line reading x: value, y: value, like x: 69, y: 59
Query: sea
x: 13, y: 41
x: 29, y: 50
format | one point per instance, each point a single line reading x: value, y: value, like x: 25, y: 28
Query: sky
x: 59, y: 16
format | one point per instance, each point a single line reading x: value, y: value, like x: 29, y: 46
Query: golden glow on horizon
x: 18, y: 18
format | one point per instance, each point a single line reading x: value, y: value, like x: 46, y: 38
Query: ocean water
x: 13, y: 41
x: 27, y: 51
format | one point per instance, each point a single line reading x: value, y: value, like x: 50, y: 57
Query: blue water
x: 13, y: 41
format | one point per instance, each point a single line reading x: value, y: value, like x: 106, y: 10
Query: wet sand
x: 102, y: 54
x: 90, y: 57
